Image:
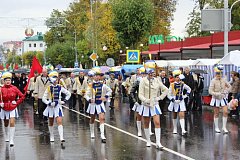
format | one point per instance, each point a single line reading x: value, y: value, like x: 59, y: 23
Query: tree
x: 61, y: 53
x: 39, y: 56
x: 133, y: 20
x: 28, y: 57
x: 163, y: 15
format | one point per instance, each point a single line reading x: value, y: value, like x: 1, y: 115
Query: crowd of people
x: 149, y: 94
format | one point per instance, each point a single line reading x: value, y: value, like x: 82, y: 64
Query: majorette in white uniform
x: 176, y: 97
x: 149, y: 95
x: 137, y: 102
x: 218, y: 88
x: 95, y: 97
x: 52, y: 97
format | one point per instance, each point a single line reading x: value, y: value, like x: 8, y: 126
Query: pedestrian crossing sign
x: 133, y: 56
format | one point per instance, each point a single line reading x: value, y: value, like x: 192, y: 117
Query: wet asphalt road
x: 32, y: 140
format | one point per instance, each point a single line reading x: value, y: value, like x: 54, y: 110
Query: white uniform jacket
x: 95, y: 91
x: 175, y: 95
x: 145, y: 90
x: 80, y: 88
x: 54, y: 94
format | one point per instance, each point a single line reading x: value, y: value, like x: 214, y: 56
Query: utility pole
x: 225, y: 27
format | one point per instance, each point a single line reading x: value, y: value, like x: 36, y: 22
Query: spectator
x: 198, y: 86
x: 190, y: 82
x: 235, y: 92
x: 171, y: 78
x: 231, y: 83
x: 166, y: 83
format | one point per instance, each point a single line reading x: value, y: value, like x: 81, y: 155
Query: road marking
x: 130, y: 134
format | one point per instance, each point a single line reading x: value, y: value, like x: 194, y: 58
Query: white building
x: 34, y: 43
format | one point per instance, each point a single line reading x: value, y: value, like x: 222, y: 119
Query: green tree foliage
x: 28, y: 57
x: 163, y: 15
x: 15, y: 59
x: 133, y: 20
x: 39, y: 56
x: 61, y: 53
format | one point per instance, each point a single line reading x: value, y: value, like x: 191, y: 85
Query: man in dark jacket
x: 15, y: 80
x: 23, y: 82
x: 166, y: 82
x: 190, y: 82
x: 198, y: 85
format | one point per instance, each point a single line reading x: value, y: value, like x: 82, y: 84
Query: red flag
x: 1, y: 67
x: 16, y: 66
x: 36, y: 66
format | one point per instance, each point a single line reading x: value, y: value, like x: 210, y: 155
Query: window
x: 41, y: 45
x: 30, y: 45
x: 35, y: 45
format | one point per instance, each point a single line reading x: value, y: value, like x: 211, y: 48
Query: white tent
x: 205, y: 62
x: 174, y: 63
x: 180, y: 63
x: 161, y: 63
x: 232, y: 58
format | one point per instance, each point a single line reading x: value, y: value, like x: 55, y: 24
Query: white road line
x: 130, y: 134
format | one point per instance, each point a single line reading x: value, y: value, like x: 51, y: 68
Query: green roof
x: 38, y: 37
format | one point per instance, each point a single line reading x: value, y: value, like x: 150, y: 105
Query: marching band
x: 94, y: 92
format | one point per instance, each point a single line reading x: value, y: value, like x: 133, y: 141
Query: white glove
x: 53, y: 104
x: 157, y: 99
x: 2, y: 105
x: 136, y: 104
x: 148, y: 101
x: 177, y: 101
x: 14, y: 102
x: 61, y: 102
x: 185, y: 96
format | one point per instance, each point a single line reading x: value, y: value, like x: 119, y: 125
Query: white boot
x: 174, y: 126
x: 182, y: 123
x: 60, y: 131
x: 216, y: 125
x: 51, y: 133
x: 150, y: 128
x: 102, y: 133
x: 7, y: 134
x: 224, y: 128
x: 12, y: 131
x: 92, y: 130
x: 158, y: 137
x: 147, y: 137
x: 139, y: 128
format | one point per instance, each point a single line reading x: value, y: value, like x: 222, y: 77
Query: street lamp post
x: 211, y: 44
x: 75, y: 38
x: 141, y: 45
x: 120, y: 57
x: 159, y: 42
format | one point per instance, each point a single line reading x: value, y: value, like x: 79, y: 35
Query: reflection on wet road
x: 32, y: 140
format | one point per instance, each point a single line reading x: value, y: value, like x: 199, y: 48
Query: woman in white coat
x: 52, y: 97
x: 176, y: 97
x: 149, y: 95
x: 218, y: 88
x: 95, y: 97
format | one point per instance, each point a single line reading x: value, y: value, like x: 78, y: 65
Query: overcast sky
x: 17, y: 10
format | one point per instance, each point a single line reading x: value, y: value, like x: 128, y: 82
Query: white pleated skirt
x: 136, y: 108
x: 177, y: 107
x: 53, y: 112
x: 218, y: 102
x: 9, y: 114
x: 147, y: 111
x: 96, y: 109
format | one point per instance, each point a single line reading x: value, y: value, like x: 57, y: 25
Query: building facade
x: 34, y: 43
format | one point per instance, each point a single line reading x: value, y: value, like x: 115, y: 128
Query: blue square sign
x: 133, y: 56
